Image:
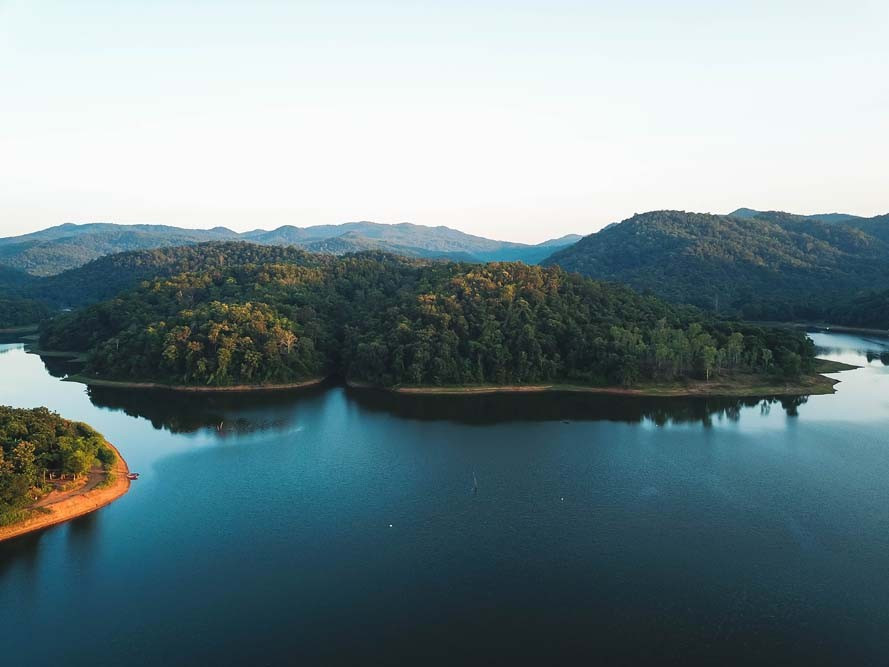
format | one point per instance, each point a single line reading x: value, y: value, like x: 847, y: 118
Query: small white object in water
x: 390, y: 525
x: 563, y: 498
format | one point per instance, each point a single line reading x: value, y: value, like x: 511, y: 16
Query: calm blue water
x: 341, y: 527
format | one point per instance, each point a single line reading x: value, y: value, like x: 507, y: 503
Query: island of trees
x: 38, y: 448
x: 241, y: 314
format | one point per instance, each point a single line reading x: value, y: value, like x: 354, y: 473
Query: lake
x: 336, y: 526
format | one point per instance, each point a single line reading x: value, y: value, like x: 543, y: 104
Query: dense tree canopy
x: 19, y: 312
x: 769, y: 266
x: 753, y: 265
x: 106, y: 277
x: 867, y: 309
x: 35, y: 442
x: 390, y: 321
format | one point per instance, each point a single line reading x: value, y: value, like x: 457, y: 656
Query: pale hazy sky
x: 518, y: 119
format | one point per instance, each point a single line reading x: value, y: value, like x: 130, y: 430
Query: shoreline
x: 81, y: 357
x: 76, y: 505
x: 812, y: 385
x: 824, y: 327
x: 756, y: 385
x: 239, y: 388
x: 23, y: 329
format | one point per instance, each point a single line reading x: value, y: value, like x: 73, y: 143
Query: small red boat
x: 132, y: 475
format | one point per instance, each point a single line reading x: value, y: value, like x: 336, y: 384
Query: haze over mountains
x: 67, y: 246
x: 759, y: 265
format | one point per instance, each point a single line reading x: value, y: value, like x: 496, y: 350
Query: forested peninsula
x: 246, y: 315
x: 52, y: 470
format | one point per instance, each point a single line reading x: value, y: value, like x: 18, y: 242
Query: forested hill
x: 246, y: 319
x: 26, y: 299
x: 106, y: 277
x: 56, y: 249
x: 53, y: 250
x: 771, y: 266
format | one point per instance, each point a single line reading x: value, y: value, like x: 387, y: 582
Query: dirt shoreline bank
x: 814, y: 384
x: 122, y: 384
x: 74, y: 506
x: 743, y: 385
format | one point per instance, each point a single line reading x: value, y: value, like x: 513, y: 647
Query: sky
x: 520, y: 120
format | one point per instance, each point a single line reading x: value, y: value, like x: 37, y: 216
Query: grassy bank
x: 828, y: 366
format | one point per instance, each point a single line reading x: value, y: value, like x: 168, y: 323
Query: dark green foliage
x: 20, y: 312
x: 869, y: 310
x: 386, y: 320
x: 36, y: 442
x: 764, y: 266
x: 106, y: 457
x: 107, y: 277
x: 16, y: 309
x: 13, y: 279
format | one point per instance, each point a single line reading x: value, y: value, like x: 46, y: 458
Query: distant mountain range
x: 53, y: 250
x: 760, y: 265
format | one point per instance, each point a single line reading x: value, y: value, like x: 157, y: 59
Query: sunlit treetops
x: 389, y: 321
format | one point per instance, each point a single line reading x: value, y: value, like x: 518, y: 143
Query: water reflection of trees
x: 226, y: 412
x: 232, y: 413
x: 873, y: 355
x: 60, y: 367
x: 878, y: 353
x: 494, y: 408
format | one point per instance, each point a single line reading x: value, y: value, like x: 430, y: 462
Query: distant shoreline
x: 239, y: 388
x: 743, y: 386
x: 738, y: 385
x: 825, y: 327
x: 810, y: 385
x: 75, y: 505
x: 24, y: 329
